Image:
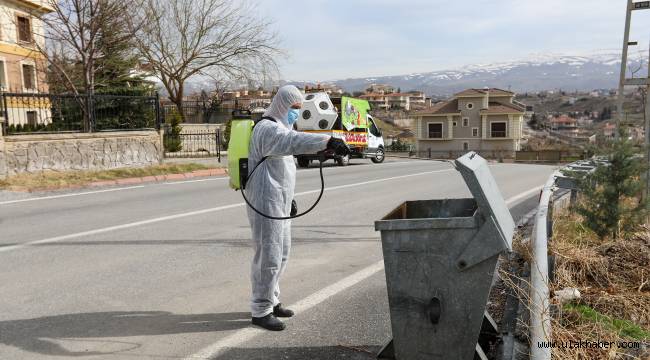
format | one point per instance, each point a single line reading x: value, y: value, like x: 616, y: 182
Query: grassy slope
x: 52, y: 179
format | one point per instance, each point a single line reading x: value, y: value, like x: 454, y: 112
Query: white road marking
x: 519, y: 197
x: 142, y: 186
x: 70, y: 195
x: 191, y: 213
x: 241, y: 336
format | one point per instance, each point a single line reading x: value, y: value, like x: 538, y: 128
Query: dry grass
x: 613, y: 277
x: 50, y: 179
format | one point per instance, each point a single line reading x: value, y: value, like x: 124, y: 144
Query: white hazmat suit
x: 270, y: 190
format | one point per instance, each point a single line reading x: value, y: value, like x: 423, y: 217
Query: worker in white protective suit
x: 270, y: 190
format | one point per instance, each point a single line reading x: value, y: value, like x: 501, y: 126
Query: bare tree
x: 73, y: 41
x: 218, y: 38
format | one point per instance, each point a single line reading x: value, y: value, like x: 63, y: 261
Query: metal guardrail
x: 540, y: 310
x: 540, y: 317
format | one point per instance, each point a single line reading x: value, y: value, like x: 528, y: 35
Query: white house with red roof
x: 488, y: 121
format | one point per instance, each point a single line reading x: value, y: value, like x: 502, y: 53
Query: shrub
x: 172, y: 137
x: 611, y: 195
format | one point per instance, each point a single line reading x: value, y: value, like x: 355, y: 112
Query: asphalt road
x: 161, y: 270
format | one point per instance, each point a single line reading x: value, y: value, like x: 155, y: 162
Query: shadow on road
x: 39, y: 335
x: 364, y: 352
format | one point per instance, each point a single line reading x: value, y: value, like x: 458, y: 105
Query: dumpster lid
x: 483, y: 187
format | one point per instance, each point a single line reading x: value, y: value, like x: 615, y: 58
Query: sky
x: 336, y: 39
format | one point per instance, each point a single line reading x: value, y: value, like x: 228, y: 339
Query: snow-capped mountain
x: 588, y: 71
x: 595, y: 70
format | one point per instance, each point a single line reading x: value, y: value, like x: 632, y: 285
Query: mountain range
x: 536, y: 72
x: 595, y: 70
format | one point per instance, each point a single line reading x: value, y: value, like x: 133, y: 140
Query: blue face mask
x: 292, y: 116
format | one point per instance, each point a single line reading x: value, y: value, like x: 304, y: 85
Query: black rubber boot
x: 279, y: 311
x: 269, y: 322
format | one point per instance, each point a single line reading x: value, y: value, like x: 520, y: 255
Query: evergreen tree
x: 611, y: 194
x: 172, y: 139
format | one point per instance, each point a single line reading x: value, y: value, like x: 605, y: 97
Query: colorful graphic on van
x: 353, y: 113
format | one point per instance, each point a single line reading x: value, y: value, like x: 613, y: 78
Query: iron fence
x: 193, y: 144
x: 196, y: 112
x: 50, y: 113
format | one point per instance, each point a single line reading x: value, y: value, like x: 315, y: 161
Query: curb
x: 157, y: 178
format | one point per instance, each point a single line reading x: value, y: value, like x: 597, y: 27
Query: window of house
x: 498, y: 129
x: 435, y: 131
x: 3, y: 79
x: 455, y: 123
x: 24, y: 29
x: 465, y: 146
x: 470, y: 106
x: 475, y: 132
x: 29, y: 77
x: 32, y: 118
x: 465, y: 122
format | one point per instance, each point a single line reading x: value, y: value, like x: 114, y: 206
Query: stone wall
x: 95, y: 151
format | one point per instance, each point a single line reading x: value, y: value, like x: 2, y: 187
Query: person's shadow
x: 33, y: 334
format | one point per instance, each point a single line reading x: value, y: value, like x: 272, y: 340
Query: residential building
x: 22, y: 65
x: 399, y: 101
x: 609, y: 130
x: 330, y: 89
x: 563, y: 122
x: 246, y: 99
x: 379, y: 89
x: 376, y: 100
x: 484, y: 120
x: 404, y: 101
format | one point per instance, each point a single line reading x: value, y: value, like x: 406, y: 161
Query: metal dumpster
x: 440, y: 257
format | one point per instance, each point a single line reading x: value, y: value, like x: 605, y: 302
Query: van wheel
x: 343, y: 160
x: 379, y: 156
x: 303, y: 162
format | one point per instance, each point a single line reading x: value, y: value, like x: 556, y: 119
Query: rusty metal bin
x: 440, y: 257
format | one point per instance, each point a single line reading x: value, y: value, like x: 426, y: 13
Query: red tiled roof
x: 499, y: 108
x: 444, y: 107
x: 481, y: 92
x: 471, y: 92
x: 365, y: 96
x: 563, y: 120
x: 497, y: 92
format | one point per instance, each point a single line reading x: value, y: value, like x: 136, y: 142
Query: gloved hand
x: 338, y: 146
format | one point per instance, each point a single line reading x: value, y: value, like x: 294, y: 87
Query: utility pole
x: 621, y: 82
x: 647, y: 129
x: 624, y: 81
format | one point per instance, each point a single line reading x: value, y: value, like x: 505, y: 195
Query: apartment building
x: 405, y: 101
x: 380, y: 89
x: 22, y: 66
x: 484, y: 120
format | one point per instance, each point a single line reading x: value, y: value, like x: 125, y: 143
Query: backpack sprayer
x: 241, y: 132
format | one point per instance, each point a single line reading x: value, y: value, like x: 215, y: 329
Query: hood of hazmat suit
x: 270, y: 190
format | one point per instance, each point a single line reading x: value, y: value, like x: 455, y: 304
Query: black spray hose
x: 321, y: 159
